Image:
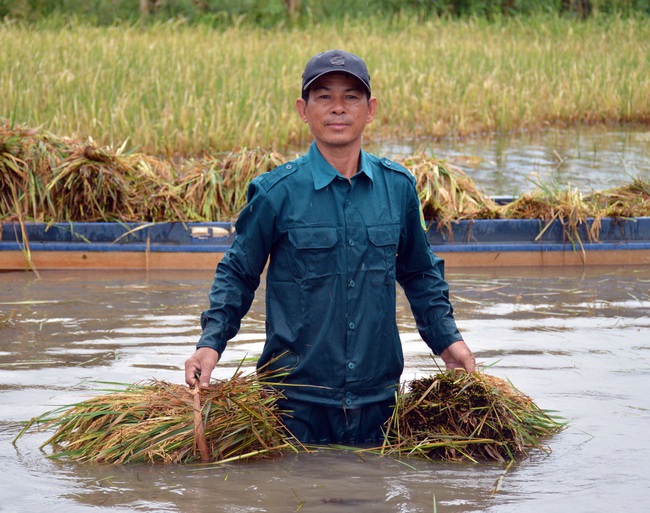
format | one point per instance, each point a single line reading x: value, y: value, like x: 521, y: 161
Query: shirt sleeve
x: 238, y: 274
x: 421, y: 275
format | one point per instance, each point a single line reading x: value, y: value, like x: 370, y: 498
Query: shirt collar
x: 324, y: 173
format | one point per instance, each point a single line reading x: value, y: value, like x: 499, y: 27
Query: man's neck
x: 345, y: 159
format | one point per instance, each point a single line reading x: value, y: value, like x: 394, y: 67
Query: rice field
x: 176, y: 90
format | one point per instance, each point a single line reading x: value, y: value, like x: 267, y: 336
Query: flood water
x: 575, y: 340
x: 587, y: 158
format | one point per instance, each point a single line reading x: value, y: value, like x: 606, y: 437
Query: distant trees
x: 278, y: 12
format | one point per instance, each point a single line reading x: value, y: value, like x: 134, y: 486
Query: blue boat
x: 178, y: 245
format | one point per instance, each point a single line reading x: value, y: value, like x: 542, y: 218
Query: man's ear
x: 372, y: 109
x: 301, y: 107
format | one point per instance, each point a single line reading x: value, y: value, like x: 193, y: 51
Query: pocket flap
x: 384, y: 235
x: 313, y: 237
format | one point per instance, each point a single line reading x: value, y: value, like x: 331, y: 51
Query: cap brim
x: 306, y: 86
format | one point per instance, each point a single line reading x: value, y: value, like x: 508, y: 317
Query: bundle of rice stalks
x: 93, y: 184
x: 447, y: 194
x: 626, y: 201
x: 216, y: 189
x: 550, y: 202
x: 26, y: 160
x: 459, y: 416
x: 159, y: 422
x: 156, y: 196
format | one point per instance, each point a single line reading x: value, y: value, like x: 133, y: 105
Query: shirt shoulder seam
x: 271, y: 178
x: 391, y: 165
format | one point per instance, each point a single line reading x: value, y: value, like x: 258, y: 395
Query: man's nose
x: 338, y: 106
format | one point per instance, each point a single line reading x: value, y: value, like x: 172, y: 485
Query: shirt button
x: 350, y: 365
x: 351, y: 326
x: 351, y: 283
x: 351, y: 242
x: 348, y: 394
x: 348, y: 402
x: 348, y: 203
x: 289, y: 166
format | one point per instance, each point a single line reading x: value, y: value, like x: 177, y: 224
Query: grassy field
x: 177, y: 90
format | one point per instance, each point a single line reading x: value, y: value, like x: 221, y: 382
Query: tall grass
x: 181, y: 90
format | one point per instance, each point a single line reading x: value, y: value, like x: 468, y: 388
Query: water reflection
x: 573, y: 339
x: 589, y: 158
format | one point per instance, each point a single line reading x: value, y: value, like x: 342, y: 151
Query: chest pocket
x: 314, y: 248
x: 382, y: 252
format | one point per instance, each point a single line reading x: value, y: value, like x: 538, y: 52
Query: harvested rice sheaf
x: 447, y: 194
x: 154, y: 422
x: 459, y: 416
x: 450, y: 416
x: 48, y: 178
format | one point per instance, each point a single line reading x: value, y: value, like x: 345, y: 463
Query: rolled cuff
x: 215, y: 335
x: 440, y: 336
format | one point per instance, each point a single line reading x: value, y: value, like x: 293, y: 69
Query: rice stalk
x: 216, y: 188
x: 26, y: 157
x: 27, y: 252
x: 457, y: 416
x: 447, y: 194
x: 550, y: 202
x: 7, y: 319
x: 156, y: 197
x: 154, y: 422
x: 62, y: 179
x: 92, y: 184
x: 450, y: 416
x: 626, y: 201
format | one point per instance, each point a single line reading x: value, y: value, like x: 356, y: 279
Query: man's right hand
x: 201, y: 362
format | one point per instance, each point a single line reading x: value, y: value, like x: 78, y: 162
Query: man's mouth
x: 338, y: 124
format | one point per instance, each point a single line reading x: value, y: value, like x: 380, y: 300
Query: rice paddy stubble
x: 185, y: 90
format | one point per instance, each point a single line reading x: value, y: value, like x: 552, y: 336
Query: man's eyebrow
x: 356, y: 89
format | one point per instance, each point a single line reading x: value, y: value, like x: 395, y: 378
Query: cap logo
x: 337, y: 60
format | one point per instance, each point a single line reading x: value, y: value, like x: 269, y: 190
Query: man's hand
x: 201, y: 362
x: 459, y: 356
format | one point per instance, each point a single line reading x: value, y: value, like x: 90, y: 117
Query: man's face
x: 338, y: 110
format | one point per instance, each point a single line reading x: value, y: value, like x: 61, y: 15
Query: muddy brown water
x: 586, y: 158
x: 576, y: 340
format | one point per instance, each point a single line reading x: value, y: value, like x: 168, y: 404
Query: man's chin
x: 340, y: 141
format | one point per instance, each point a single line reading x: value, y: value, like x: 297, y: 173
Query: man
x: 338, y: 227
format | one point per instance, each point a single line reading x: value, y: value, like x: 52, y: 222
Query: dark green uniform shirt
x: 335, y: 248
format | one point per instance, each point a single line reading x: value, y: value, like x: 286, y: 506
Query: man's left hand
x: 459, y: 356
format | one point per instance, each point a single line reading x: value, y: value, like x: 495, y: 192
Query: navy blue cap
x: 335, y: 61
